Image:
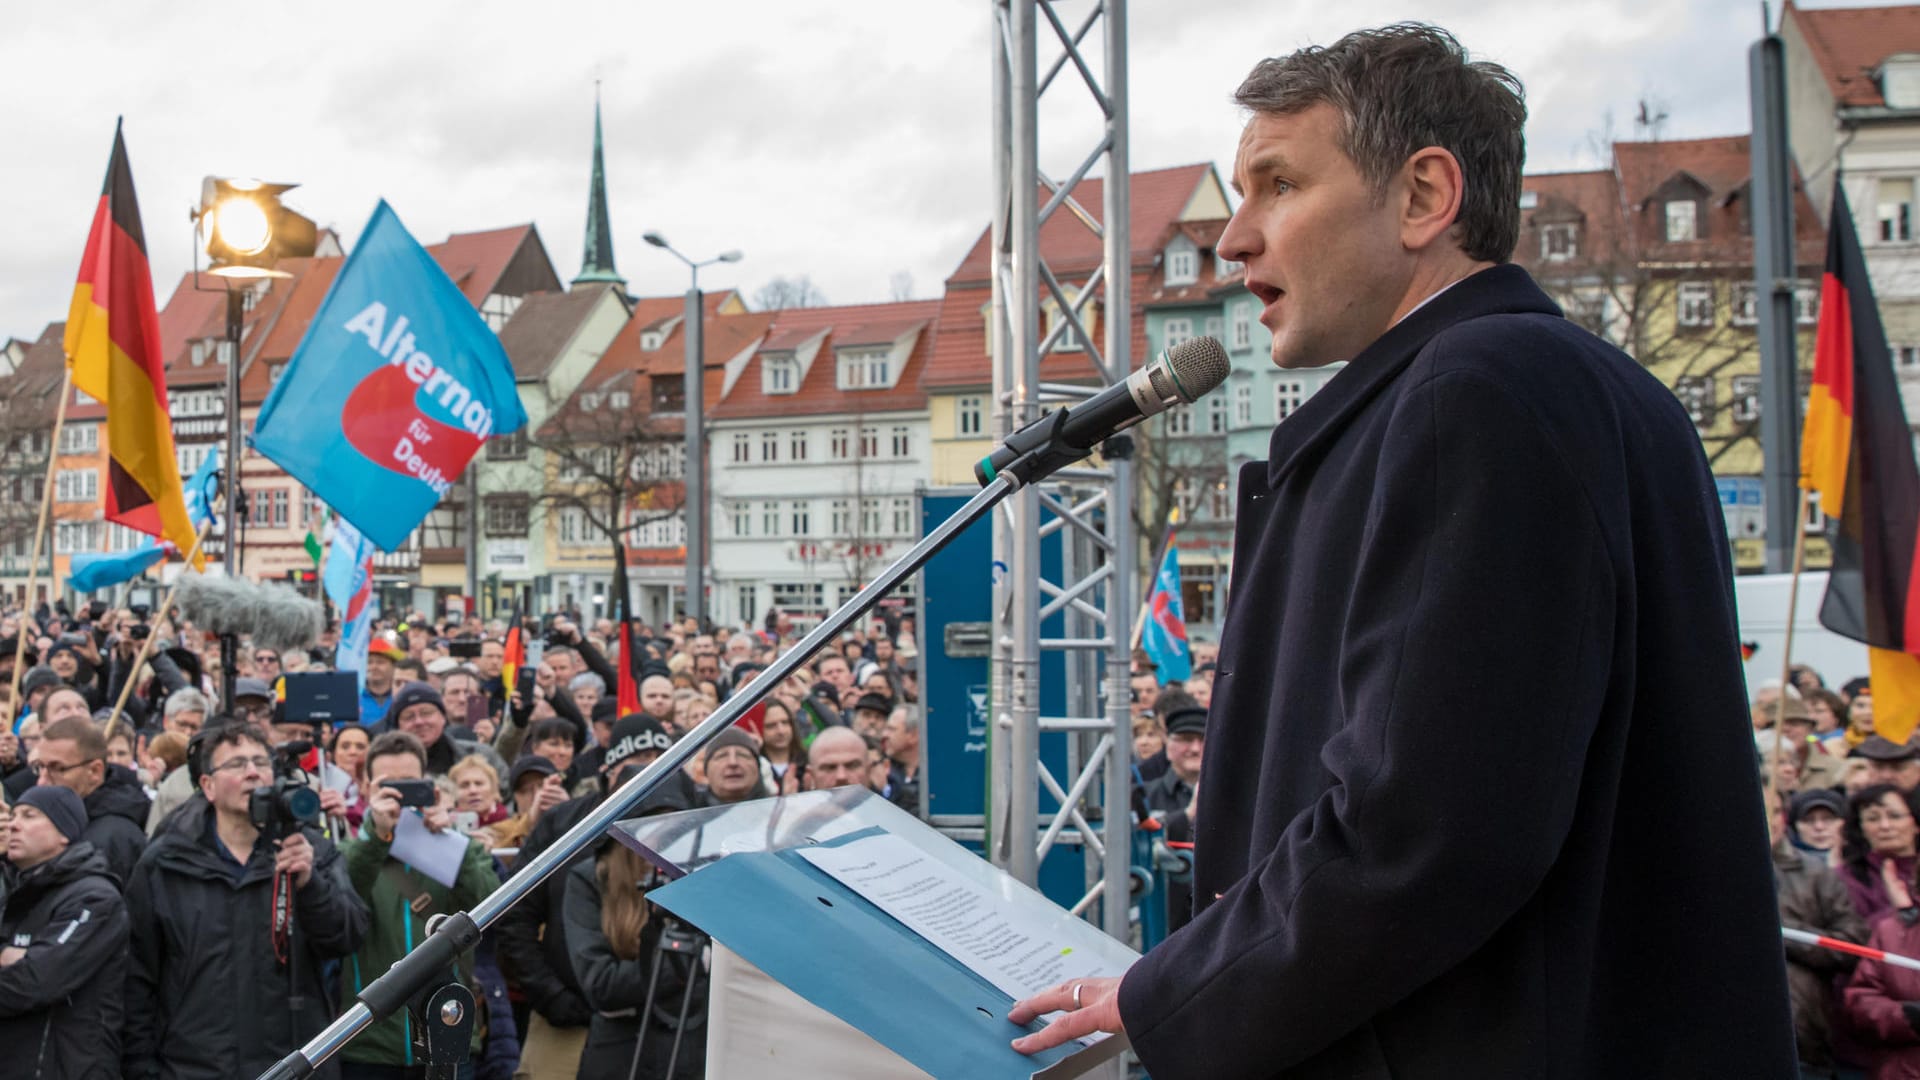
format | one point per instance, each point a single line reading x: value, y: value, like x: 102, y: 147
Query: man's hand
x: 384, y: 811
x: 11, y: 955
x: 1098, y: 1009
x: 553, y: 792
x: 437, y: 818
x: 332, y: 803
x: 295, y: 858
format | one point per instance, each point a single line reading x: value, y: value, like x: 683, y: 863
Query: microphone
x: 1178, y: 376
x: 274, y: 616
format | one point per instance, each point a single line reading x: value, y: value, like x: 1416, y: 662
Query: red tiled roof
x: 1157, y: 197
x: 1723, y: 167
x: 542, y: 325
x: 1590, y: 201
x: 476, y: 260
x: 190, y: 313
x: 626, y: 366
x: 312, y: 279
x: 1850, y: 44
x: 819, y: 392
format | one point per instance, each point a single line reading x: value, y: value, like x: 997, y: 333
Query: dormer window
x: 1183, y: 262
x: 1529, y: 200
x: 1895, y: 209
x: 1900, y: 81
x: 1224, y: 268
x: 780, y: 374
x: 1683, y: 223
x: 651, y: 340
x: 866, y: 369
x: 1561, y: 242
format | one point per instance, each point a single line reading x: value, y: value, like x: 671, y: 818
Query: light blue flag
x: 203, y: 488
x: 96, y: 570
x: 396, y: 386
x: 1165, y: 635
x: 347, y: 565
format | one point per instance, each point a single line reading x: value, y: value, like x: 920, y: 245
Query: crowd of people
x: 171, y: 911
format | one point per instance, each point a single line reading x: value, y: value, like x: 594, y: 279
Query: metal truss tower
x: 1090, y: 507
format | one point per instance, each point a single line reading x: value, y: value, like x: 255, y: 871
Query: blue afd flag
x: 1165, y: 634
x: 96, y: 570
x: 396, y: 386
x: 203, y: 488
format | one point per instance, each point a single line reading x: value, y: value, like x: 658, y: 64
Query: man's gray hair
x: 909, y: 715
x: 586, y: 679
x: 1402, y: 88
x: 186, y: 701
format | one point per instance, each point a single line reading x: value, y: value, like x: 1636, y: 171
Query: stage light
x: 245, y: 229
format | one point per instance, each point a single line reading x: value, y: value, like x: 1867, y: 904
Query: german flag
x: 1857, y: 454
x: 113, y: 353
x: 513, y: 656
x: 627, y: 694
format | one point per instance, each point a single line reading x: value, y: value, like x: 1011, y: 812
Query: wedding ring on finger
x: 1076, y: 994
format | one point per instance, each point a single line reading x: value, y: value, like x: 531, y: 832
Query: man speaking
x: 1483, y: 799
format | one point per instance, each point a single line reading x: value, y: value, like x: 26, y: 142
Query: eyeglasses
x: 40, y: 768
x: 266, y: 658
x: 258, y: 763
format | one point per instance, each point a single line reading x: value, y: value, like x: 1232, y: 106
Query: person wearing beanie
x: 418, y: 710
x: 37, y: 684
x: 64, y: 931
x: 732, y: 765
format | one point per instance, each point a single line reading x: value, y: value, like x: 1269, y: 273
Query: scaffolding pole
x: 1091, y: 508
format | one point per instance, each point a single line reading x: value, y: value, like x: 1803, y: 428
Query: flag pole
x: 1159, y: 556
x: 1786, y: 645
x: 39, y: 531
x: 146, y: 643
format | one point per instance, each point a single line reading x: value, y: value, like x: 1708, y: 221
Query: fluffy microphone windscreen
x: 274, y: 616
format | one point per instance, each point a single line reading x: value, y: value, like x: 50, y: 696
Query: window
x: 866, y: 369
x: 497, y: 309
x: 511, y: 447
x: 797, y: 445
x: 749, y: 605
x: 802, y: 515
x: 73, y: 536
x: 199, y: 352
x: 572, y: 525
x: 902, y: 441
x: 869, y: 517
x: 669, y: 394
x: 1179, y: 421
x: 1224, y: 268
x: 507, y: 515
x: 274, y: 371
x: 769, y: 446
x: 1183, y: 265
x: 770, y: 518
x: 1816, y: 517
x: 1242, y: 326
x: 1175, y: 331
x: 779, y: 375
x: 1559, y: 243
x: 1243, y: 404
x: 869, y: 442
x: 1896, y: 210
x: 1212, y: 327
x: 1746, y: 304
x: 970, y: 416
x: 1806, y: 303
x: 1216, y: 414
x: 841, y: 522
x: 1287, y: 396
x: 837, y: 442
x: 1746, y: 399
x: 742, y: 447
x: 802, y: 598
x: 1682, y: 221
x: 1696, y: 394
x: 742, y: 514
x: 79, y: 438
x: 1069, y: 338
x: 1220, y: 500
x: 76, y: 485
x: 1906, y: 357
x: 902, y: 517
x: 278, y: 513
x: 1695, y: 299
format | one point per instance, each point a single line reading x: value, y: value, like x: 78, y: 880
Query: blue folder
x: 837, y: 950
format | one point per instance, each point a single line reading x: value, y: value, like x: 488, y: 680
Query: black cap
x: 530, y: 764
x: 1875, y: 748
x: 1191, y: 718
x: 879, y: 703
x: 40, y: 678
x: 408, y: 695
x: 635, y: 733
x: 251, y: 687
x: 1807, y: 800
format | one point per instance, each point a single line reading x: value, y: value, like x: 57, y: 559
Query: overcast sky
x: 848, y: 140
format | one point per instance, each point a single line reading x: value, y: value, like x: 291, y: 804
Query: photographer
x: 213, y: 990
x: 401, y: 899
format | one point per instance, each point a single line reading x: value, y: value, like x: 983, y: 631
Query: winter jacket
x: 1868, y: 890
x: 1812, y: 898
x: 1879, y: 1003
x: 617, y: 991
x: 206, y: 997
x: 60, y: 1005
x: 117, y: 819
x: 401, y: 900
x: 172, y: 793
x: 447, y: 751
x: 532, y: 942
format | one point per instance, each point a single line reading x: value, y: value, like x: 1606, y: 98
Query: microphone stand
x: 1028, y: 455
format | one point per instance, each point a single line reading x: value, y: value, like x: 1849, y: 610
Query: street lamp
x: 693, y: 503
x: 244, y: 229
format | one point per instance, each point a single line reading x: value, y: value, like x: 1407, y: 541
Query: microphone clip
x: 1033, y: 453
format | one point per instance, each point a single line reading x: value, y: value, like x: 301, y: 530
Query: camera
x: 464, y: 648
x: 281, y: 808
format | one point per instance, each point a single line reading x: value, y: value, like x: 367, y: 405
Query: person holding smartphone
x: 401, y: 900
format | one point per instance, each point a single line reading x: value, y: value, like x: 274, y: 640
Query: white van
x: 1762, y: 604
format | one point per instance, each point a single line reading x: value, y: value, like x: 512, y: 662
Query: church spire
x: 597, y: 264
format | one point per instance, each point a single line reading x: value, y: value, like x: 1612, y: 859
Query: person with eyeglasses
x: 266, y: 664
x: 213, y: 989
x: 73, y: 754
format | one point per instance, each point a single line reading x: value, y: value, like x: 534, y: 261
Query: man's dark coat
x: 1480, y: 797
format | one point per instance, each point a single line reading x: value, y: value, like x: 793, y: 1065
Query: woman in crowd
x: 781, y: 753
x: 1879, y: 850
x: 350, y: 762
x: 1149, y: 738
x: 1828, y: 710
x: 1880, y: 1001
x: 479, y: 787
x: 528, y: 782
x: 1815, y: 821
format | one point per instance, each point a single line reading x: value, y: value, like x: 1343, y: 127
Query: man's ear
x: 1435, y: 187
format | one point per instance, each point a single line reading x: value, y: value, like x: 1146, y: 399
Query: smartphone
x: 464, y: 648
x: 414, y: 792
x: 478, y: 709
x: 465, y: 820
